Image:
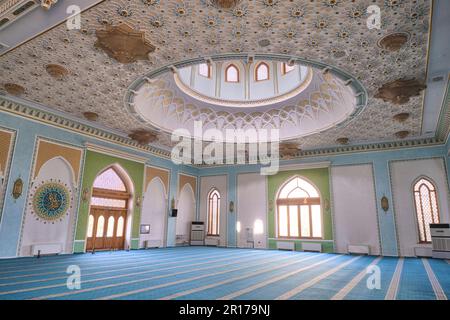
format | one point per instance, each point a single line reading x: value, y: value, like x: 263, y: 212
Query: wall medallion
x: 385, y: 204
x: 51, y: 201
x: 17, y: 188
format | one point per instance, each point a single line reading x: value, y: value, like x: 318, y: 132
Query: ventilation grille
x: 441, y: 244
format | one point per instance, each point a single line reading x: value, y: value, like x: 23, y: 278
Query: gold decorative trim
x: 114, y: 152
x: 75, y: 126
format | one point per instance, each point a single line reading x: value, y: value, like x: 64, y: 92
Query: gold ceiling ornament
x: 57, y: 71
x: 123, y: 43
x: 400, y: 91
x: 47, y: 4
x: 14, y: 89
x: 401, y: 117
x: 226, y: 4
x: 91, y: 116
x: 402, y: 134
x: 343, y: 140
x: 288, y: 150
x: 394, y: 41
x: 385, y: 203
x: 143, y: 136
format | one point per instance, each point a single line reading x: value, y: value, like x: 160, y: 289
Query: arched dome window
x: 262, y: 72
x: 299, y: 211
x: 232, y: 73
x: 204, y: 70
x: 287, y: 68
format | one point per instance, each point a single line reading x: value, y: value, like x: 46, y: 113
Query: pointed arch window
x: 299, y: 210
x: 232, y: 73
x: 90, y: 226
x: 262, y: 72
x: 109, y: 190
x: 287, y: 68
x: 109, y: 180
x: 213, y: 212
x: 427, y: 210
x: 100, y: 226
x: 204, y: 70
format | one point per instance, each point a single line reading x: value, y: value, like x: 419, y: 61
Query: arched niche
x: 154, y: 213
x: 186, y: 213
x: 115, y: 200
x: 44, y: 231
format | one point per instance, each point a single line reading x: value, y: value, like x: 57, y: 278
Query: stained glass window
x: 299, y: 210
x: 427, y: 212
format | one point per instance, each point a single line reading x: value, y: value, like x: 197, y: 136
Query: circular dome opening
x: 236, y: 83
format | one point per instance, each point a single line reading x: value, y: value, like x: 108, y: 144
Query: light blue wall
x: 380, y: 161
x: 27, y: 133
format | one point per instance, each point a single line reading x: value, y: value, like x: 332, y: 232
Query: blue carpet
x: 197, y: 273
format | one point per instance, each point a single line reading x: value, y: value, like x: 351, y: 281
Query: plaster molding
x: 114, y: 153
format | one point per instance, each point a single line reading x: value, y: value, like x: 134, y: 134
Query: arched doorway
x: 108, y: 212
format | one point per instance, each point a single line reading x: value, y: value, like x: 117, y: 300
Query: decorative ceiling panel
x: 333, y: 32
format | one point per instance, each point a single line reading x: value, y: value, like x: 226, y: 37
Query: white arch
x: 154, y: 212
x: 66, y: 162
x: 166, y: 194
x: 186, y: 212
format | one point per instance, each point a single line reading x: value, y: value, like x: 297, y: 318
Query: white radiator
x: 423, y: 251
x: 358, y: 249
x: 285, y: 245
x: 152, y: 244
x: 211, y: 242
x: 46, y: 248
x: 315, y: 247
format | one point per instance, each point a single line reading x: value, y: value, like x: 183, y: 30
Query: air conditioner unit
x: 440, y: 238
x: 197, y: 233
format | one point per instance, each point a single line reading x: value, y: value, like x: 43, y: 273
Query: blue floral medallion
x: 51, y: 201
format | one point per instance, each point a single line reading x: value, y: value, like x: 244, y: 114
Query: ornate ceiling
x: 72, y: 72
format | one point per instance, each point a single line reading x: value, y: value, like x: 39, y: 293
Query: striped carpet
x: 197, y: 273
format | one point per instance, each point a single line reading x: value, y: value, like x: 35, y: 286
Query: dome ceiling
x: 329, y: 32
x: 316, y: 101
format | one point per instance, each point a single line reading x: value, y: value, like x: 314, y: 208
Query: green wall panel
x: 321, y: 179
x: 94, y: 164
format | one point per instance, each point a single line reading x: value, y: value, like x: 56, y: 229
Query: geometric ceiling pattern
x: 64, y: 69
